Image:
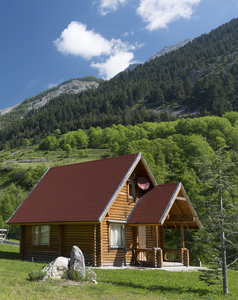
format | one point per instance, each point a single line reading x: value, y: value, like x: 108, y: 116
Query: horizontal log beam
x: 181, y: 198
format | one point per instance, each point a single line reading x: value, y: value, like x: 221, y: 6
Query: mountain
x: 73, y: 86
x: 168, y: 49
x: 201, y: 77
x: 163, y: 51
x: 7, y: 110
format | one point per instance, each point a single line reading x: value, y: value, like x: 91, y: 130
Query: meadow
x: 112, y: 284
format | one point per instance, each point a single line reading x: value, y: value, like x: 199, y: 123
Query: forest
x: 202, y: 77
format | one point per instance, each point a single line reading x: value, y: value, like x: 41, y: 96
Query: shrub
x: 75, y: 275
x: 37, y: 275
x: 82, y: 153
x: 90, y: 276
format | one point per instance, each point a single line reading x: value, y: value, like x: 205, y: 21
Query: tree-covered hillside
x: 200, y: 76
x: 172, y: 150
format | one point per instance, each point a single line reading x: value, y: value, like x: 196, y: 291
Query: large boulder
x: 77, y: 262
x: 57, y: 268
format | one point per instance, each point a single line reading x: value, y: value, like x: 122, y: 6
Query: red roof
x: 152, y: 206
x: 71, y: 193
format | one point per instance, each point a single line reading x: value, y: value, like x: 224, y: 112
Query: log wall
x: 119, y: 211
x: 31, y: 252
x: 62, y: 239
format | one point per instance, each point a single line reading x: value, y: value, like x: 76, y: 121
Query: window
x: 117, y: 235
x: 131, y: 190
x: 41, y: 235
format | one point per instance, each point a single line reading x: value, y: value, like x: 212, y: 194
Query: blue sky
x: 46, y: 42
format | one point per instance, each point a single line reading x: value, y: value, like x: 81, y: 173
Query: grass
x: 53, y: 157
x: 112, y: 284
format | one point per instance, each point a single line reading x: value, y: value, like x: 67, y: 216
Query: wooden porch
x: 157, y: 257
x: 151, y: 221
x: 149, y: 247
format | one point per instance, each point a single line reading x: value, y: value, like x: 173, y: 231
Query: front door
x: 142, y: 242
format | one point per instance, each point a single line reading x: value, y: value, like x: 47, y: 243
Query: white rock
x: 77, y: 262
x: 57, y: 268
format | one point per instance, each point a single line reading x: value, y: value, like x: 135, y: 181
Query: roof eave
x: 191, y: 207
x: 169, y: 205
x: 25, y: 199
x: 180, y: 186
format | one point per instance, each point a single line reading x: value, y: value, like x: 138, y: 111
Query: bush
x: 82, y: 153
x: 75, y: 275
x: 37, y: 275
x: 90, y: 276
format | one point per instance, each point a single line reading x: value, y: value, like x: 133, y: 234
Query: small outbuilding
x: 112, y: 209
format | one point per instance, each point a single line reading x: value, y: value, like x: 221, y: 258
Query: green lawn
x: 112, y: 284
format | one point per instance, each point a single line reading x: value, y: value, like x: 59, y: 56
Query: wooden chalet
x: 112, y: 209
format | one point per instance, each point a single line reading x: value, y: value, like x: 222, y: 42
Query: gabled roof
x: 166, y: 204
x: 79, y: 192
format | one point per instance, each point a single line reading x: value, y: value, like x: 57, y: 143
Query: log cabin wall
x: 31, y: 252
x: 81, y: 236
x: 150, y: 237
x: 119, y: 211
x: 62, y: 239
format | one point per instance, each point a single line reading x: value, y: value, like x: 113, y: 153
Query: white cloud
x: 115, y: 55
x: 159, y: 13
x: 77, y: 40
x: 114, y: 64
x: 107, y: 6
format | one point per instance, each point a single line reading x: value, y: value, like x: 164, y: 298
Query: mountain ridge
x: 72, y: 86
x: 163, y: 51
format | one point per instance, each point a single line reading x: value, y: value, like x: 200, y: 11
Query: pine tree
x: 220, y: 214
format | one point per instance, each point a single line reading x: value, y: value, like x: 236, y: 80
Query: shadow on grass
x: 162, y: 288
x: 9, y: 255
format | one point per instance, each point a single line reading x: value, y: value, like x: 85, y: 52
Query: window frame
x: 122, y: 225
x: 37, y: 237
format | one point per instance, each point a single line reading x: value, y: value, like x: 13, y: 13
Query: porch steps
x: 172, y: 264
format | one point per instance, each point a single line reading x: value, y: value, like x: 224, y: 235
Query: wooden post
x: 182, y: 235
x: 22, y: 235
x: 95, y: 245
x: 156, y: 236
x: 159, y: 258
x: 186, y: 257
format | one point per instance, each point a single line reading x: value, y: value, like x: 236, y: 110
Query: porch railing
x: 172, y: 255
x: 156, y: 256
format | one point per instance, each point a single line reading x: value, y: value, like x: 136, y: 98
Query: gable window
x: 131, y: 190
x: 117, y: 235
x: 41, y: 235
